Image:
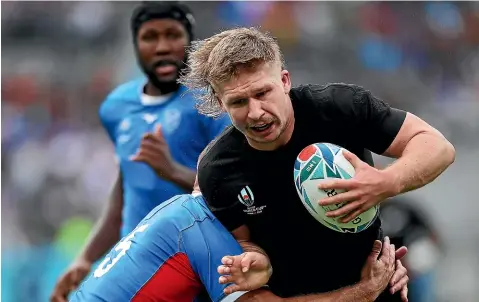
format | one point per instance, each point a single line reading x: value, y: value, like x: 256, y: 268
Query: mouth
x: 165, y: 70
x: 261, y: 128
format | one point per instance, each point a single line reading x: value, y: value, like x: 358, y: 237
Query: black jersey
x: 245, y: 186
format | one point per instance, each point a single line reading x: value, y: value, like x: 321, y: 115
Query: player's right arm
x: 231, y: 216
x: 218, y: 197
x: 241, y: 233
x: 107, y: 230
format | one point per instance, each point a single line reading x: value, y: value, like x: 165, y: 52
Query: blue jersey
x: 127, y: 114
x: 172, y: 255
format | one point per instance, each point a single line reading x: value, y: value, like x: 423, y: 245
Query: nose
x: 163, y: 47
x: 255, y: 109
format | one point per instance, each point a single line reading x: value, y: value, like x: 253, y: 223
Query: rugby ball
x: 315, y: 164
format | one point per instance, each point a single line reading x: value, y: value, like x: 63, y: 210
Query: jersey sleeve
x: 205, y: 243
x: 371, y: 120
x: 175, y: 280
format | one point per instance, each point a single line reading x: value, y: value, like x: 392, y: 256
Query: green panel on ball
x: 319, y: 171
x: 308, y: 168
x: 332, y: 172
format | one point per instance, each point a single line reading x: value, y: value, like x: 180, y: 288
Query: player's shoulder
x: 332, y: 99
x: 187, y: 94
x: 327, y: 92
x: 118, y: 99
x: 126, y: 90
x: 183, y: 103
x: 227, y: 145
x: 184, y: 99
x: 130, y: 88
x: 222, y: 168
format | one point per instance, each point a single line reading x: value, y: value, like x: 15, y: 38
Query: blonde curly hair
x: 216, y: 60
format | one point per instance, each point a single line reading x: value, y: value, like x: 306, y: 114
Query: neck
x: 152, y: 90
x: 288, y: 131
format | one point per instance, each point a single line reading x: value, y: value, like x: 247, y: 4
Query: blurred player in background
x: 406, y: 223
x: 156, y: 114
x: 173, y: 253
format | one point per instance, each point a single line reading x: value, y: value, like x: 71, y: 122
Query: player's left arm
x: 422, y: 153
x: 183, y: 176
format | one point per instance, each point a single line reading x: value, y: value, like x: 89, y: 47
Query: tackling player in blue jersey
x: 174, y: 253
x: 156, y: 129
x: 169, y: 256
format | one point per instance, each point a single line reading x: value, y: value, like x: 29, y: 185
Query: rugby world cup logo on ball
x: 315, y: 164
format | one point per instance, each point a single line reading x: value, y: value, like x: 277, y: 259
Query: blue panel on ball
x: 298, y: 183
x: 335, y: 149
x: 326, y: 152
x: 297, y: 165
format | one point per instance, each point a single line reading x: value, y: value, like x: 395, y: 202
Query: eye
x: 149, y: 37
x: 174, y: 35
x: 239, y: 102
x: 262, y: 93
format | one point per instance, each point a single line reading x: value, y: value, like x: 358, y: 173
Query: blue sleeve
x: 205, y: 243
x: 215, y: 126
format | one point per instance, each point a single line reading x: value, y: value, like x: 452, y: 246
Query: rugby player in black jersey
x: 246, y: 174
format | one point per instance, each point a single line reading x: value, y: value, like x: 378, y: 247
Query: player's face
x: 257, y: 101
x: 161, y: 47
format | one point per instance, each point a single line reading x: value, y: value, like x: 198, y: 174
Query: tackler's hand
x: 379, y: 267
x: 248, y: 271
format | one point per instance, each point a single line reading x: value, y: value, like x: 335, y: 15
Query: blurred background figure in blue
x: 61, y: 59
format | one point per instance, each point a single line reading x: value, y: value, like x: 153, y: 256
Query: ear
x: 217, y: 96
x: 286, y: 80
x: 218, y: 99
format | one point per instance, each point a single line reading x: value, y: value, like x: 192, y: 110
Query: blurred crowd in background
x: 60, y: 60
